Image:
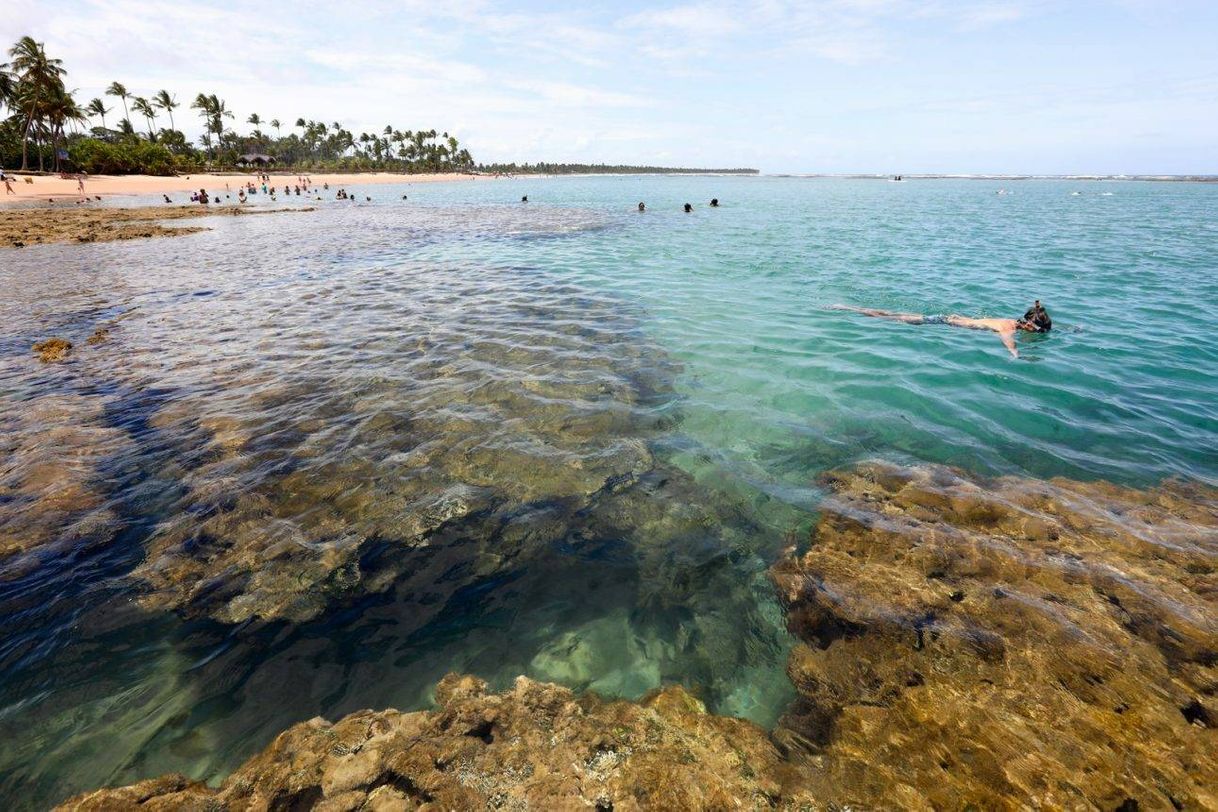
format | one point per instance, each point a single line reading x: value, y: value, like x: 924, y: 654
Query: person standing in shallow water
x: 642, y: 207
x: 714, y: 202
x: 1035, y: 320
x: 688, y: 208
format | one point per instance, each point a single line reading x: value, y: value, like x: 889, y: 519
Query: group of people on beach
x: 79, y: 177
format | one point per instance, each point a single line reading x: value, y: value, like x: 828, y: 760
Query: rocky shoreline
x: 38, y: 226
x: 964, y: 643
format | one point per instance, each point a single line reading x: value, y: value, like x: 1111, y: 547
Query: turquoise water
x: 634, y: 406
x: 777, y: 386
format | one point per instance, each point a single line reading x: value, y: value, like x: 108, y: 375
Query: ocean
x: 317, y: 460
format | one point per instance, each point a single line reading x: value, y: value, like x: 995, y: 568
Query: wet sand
x: 22, y: 227
x: 55, y: 188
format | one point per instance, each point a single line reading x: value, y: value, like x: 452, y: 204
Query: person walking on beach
x: 1035, y: 320
x: 80, y: 185
x: 8, y: 183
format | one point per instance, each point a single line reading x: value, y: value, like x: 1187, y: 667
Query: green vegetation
x: 41, y: 123
x: 543, y: 168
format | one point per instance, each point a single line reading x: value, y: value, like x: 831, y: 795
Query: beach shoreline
x: 48, y: 188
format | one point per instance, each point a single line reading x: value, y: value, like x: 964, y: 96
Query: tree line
x: 41, y: 121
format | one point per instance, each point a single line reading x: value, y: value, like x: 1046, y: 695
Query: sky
x: 835, y: 86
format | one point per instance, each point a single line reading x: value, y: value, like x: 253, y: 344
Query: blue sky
x: 1106, y: 86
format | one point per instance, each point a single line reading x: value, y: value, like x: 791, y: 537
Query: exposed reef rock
x: 967, y: 644
x: 537, y: 746
x: 52, y: 350
x: 33, y: 226
x: 1007, y: 644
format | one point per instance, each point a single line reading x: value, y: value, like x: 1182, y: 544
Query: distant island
x: 543, y: 168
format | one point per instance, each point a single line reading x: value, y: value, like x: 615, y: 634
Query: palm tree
x: 8, y: 86
x: 167, y: 103
x: 38, y: 78
x: 62, y: 109
x: 117, y: 89
x: 203, y: 104
x: 275, y: 124
x: 220, y: 111
x: 145, y: 109
x: 254, y: 119
x: 213, y: 111
x: 98, y: 108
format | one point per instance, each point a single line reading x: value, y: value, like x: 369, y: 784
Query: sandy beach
x: 49, y: 188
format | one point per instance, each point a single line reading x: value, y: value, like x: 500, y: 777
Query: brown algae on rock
x: 34, y: 226
x: 998, y: 644
x: 535, y: 746
x: 53, y: 350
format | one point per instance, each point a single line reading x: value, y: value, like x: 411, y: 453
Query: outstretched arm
x: 1008, y: 340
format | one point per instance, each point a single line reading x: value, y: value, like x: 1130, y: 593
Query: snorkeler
x: 1035, y: 320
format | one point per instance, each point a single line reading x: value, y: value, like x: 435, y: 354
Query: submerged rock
x: 474, y: 455
x: 537, y: 746
x: 52, y: 350
x: 1009, y: 643
x: 56, y: 450
x: 1002, y: 644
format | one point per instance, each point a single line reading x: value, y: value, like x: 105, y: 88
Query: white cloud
x: 708, y: 81
x: 695, y: 20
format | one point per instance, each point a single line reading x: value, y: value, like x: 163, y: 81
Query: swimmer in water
x: 1036, y: 320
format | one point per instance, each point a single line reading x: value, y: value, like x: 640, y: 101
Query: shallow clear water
x: 630, y: 408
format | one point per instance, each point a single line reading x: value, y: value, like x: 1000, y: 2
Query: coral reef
x: 52, y: 350
x: 55, y: 451
x: 1007, y: 643
x: 1002, y: 644
x: 441, y: 476
x: 536, y: 746
x: 36, y: 226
